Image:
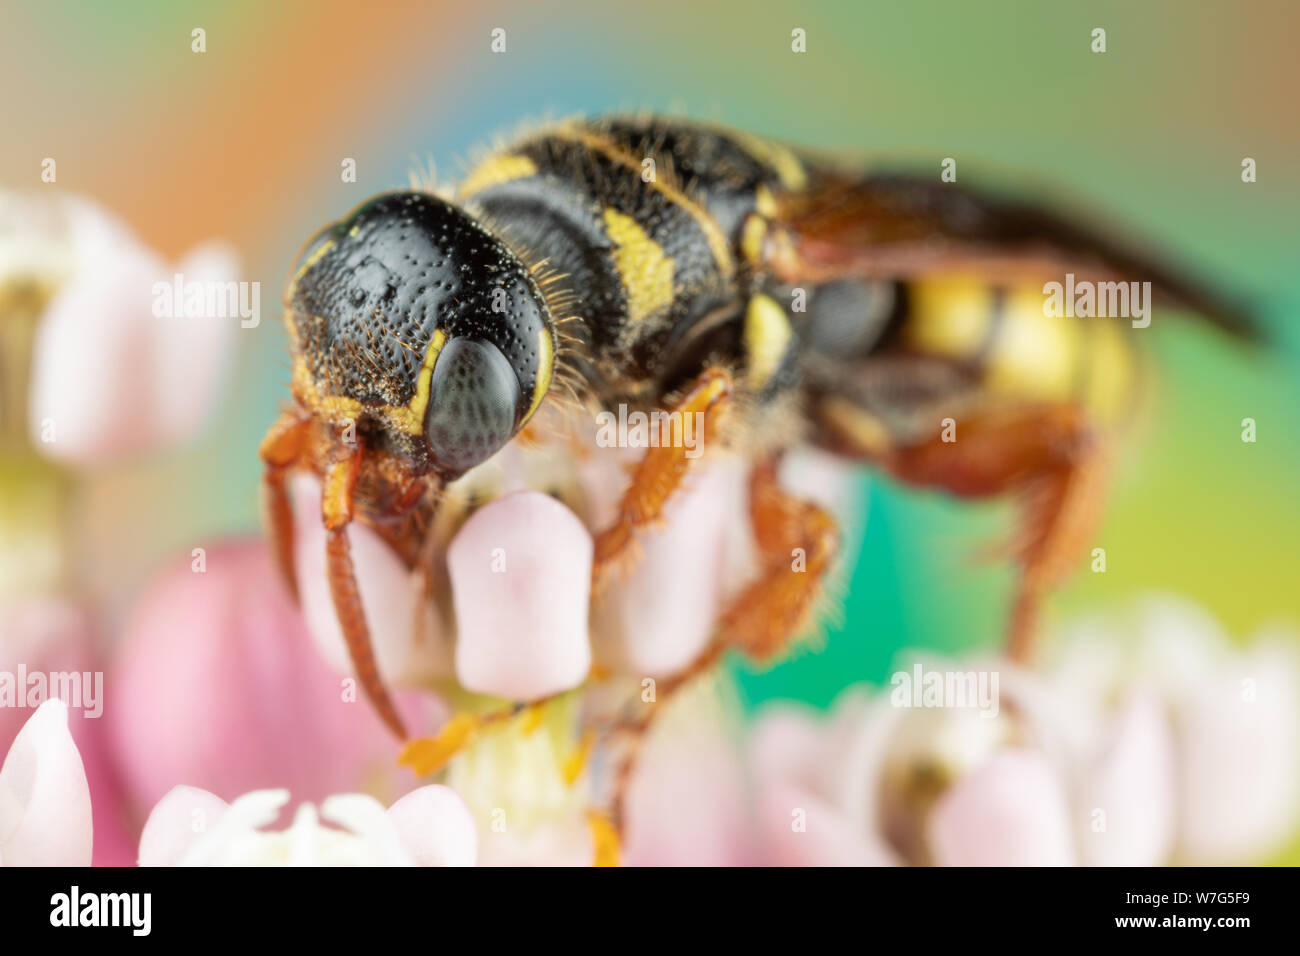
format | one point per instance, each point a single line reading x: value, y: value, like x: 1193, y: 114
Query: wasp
x: 893, y: 318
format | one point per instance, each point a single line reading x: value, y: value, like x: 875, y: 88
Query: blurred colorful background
x: 245, y: 142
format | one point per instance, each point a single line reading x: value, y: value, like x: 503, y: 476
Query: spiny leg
x: 1060, y: 511
x: 336, y: 512
x: 797, y: 543
x: 281, y: 450
x: 659, y: 474
x: 1051, y: 458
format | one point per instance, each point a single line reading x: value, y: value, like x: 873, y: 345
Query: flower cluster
x: 229, y: 728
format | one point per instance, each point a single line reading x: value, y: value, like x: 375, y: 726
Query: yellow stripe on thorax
x: 496, y: 170
x: 646, y: 271
x: 767, y: 335
x: 789, y: 170
x: 717, y: 242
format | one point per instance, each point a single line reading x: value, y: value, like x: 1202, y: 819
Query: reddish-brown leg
x: 336, y: 511
x: 1047, y: 455
x: 281, y: 450
x: 659, y: 474
x: 797, y: 542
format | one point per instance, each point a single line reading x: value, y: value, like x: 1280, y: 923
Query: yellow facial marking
x: 339, y: 409
x: 311, y: 261
x: 767, y: 335
x: 333, y: 408
x: 545, y: 368
x: 413, y: 422
x: 646, y: 272
x: 497, y: 170
x: 765, y: 202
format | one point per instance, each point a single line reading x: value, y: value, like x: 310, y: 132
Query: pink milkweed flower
x: 45, y: 817
x: 115, y: 369
x: 515, y: 620
x: 520, y: 620
x: 49, y: 646
x: 216, y: 682
x: 815, y: 803
x: 430, y: 826
x: 1151, y: 742
x: 1233, y: 714
x: 688, y: 801
x: 880, y: 782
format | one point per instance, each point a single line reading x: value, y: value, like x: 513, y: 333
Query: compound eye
x: 847, y: 318
x: 473, y: 404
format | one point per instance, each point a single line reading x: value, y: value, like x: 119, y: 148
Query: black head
x: 412, y: 316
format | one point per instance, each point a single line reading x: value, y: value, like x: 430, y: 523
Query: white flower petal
x: 45, y: 817
x: 109, y: 377
x: 1010, y: 812
x: 191, y: 827
x: 91, y: 397
x: 520, y: 571
x: 1239, y: 754
x: 176, y: 823
x: 564, y: 842
x: 435, y: 827
x: 1125, y: 804
x: 786, y: 742
x: 191, y: 355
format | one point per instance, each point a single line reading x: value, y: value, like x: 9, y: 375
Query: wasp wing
x: 901, y: 225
